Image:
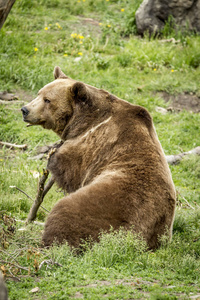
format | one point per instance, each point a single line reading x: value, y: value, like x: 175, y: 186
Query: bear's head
x: 61, y: 101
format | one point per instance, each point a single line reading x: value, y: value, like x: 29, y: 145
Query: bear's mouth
x: 29, y: 123
x: 33, y: 122
x: 25, y: 120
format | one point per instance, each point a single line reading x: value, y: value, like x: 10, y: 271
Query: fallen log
x: 175, y: 159
x: 5, y: 102
x: 7, y: 96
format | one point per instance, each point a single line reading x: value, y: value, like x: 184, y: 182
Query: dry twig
x: 14, y: 265
x: 49, y: 262
x: 188, y: 204
x: 13, y: 146
x: 42, y: 191
x: 13, y: 186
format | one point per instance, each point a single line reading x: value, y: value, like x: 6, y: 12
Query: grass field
x: 96, y: 42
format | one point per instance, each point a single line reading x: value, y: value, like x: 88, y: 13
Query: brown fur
x: 110, y: 162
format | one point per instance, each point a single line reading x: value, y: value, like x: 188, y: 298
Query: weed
x: 115, y: 248
x: 169, y: 28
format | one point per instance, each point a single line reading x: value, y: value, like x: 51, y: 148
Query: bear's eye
x: 46, y: 100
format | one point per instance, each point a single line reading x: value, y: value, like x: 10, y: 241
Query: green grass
x: 38, y: 35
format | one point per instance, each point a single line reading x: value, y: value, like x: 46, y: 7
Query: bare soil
x: 17, y: 95
x: 185, y: 101
x: 25, y: 95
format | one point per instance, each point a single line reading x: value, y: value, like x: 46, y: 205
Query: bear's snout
x: 25, y: 111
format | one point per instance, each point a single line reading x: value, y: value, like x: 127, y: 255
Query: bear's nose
x: 25, y: 111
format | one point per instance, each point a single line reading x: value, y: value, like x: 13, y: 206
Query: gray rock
x: 152, y: 15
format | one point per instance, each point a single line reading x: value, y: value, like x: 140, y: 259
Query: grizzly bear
x: 110, y: 162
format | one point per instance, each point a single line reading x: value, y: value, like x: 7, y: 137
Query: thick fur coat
x: 110, y: 162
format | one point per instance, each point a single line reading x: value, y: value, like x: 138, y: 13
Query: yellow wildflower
x: 65, y: 54
x: 80, y: 36
x: 172, y: 70
x: 46, y: 28
x: 154, y: 69
x: 80, y: 53
x: 109, y: 25
x: 122, y: 9
x: 80, y: 42
x: 58, y: 25
x: 74, y: 35
x: 35, y: 49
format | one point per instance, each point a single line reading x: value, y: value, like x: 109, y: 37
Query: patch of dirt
x: 16, y: 95
x: 89, y: 26
x: 137, y: 284
x: 131, y: 282
x: 89, y: 21
x: 187, y: 101
x: 24, y: 95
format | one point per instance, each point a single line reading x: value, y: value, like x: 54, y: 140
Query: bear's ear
x: 58, y: 73
x: 79, y: 92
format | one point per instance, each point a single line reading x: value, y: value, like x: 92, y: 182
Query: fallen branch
x: 11, y: 102
x: 175, y: 159
x: 35, y: 222
x: 14, y: 265
x: 49, y: 262
x: 12, y: 146
x: 42, y: 191
x: 7, y: 96
x: 172, y: 40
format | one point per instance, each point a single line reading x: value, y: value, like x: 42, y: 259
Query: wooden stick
x: 11, y: 146
x: 48, y: 186
x: 13, y: 186
x: 42, y: 191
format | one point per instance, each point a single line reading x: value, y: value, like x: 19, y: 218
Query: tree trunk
x: 5, y: 7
